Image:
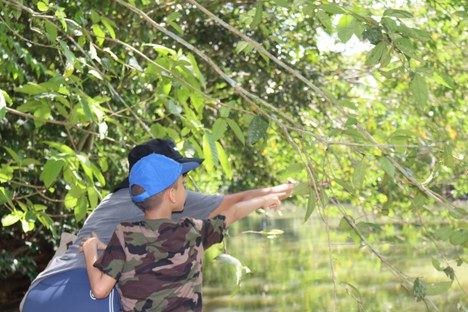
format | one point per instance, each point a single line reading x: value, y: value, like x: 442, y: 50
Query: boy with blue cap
x: 157, y: 262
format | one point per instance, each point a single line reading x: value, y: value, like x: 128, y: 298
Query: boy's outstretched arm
x: 101, y: 284
x: 232, y: 199
x: 244, y: 208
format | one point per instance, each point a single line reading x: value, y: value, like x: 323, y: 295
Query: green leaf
x: 302, y: 189
x: 418, y: 87
x: 283, y: 3
x: 351, y: 121
x: 346, y: 28
x: 359, y: 174
x: 100, y: 34
x: 448, y: 156
x: 51, y: 31
x: 444, y: 80
x: 386, y: 57
x: 61, y: 147
x: 162, y: 50
x: 223, y: 159
x: 292, y: 171
x: 210, y: 152
x: 80, y: 208
x: 374, y: 55
x: 219, y: 128
x: 406, y: 46
x: 257, y: 129
x: 41, y: 6
x: 97, y: 173
x: 68, y: 54
x: 93, y: 196
x: 344, y: 225
x: 224, y: 111
x: 310, y: 204
x: 436, y: 264
x: 31, y: 88
x: 458, y: 237
x: 433, y: 289
x: 348, y: 187
x: 325, y: 20
x: 43, y: 111
x: 11, y: 218
x: 241, y: 45
x: 419, y: 289
x: 234, y: 262
x: 258, y: 15
x: 177, y: 27
x: 51, y: 171
x: 237, y: 130
x: 346, y: 103
x: 95, y: 17
x: 398, y: 13
x: 108, y: 24
x: 331, y: 8
x: 6, y: 173
x: 373, y: 34
x: 2, y: 104
x: 387, y: 166
x: 71, y: 199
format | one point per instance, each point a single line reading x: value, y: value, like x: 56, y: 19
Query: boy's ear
x: 171, y: 194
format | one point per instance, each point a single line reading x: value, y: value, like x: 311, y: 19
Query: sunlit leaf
x: 346, y: 27
x: 406, y: 46
x: 283, y: 3
x: 234, y: 262
x: 387, y: 166
x: 418, y: 87
x: 359, y: 174
x: 224, y: 160
x: 325, y: 20
x: 100, y: 34
x: 437, y: 288
x: 258, y: 14
x: 80, y: 209
x: 398, y: 13
x: 31, y: 88
x: 236, y: 129
x: 108, y: 24
x: 41, y: 6
x: 444, y: 80
x: 11, y: 218
x: 374, y: 55
x: 51, y: 171
x: 331, y: 8
x: 218, y: 129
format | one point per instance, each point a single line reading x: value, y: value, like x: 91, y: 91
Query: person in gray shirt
x: 64, y: 284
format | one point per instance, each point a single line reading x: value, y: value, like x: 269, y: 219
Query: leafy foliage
x: 250, y: 87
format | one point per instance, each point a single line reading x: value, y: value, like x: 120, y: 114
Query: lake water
x: 292, y: 272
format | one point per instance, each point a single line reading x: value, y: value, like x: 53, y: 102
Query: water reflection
x: 293, y: 273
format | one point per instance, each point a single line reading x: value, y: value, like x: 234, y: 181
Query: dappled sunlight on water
x: 292, y: 272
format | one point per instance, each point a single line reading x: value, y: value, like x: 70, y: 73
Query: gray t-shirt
x: 116, y: 208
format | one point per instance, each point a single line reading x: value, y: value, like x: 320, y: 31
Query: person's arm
x: 244, y: 208
x: 232, y: 199
x: 101, y: 284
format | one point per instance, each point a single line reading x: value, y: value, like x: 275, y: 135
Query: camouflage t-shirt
x: 158, y: 263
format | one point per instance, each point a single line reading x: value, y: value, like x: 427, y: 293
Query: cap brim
x: 187, y: 166
x: 187, y: 160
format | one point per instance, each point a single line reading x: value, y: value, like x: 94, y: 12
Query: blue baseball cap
x: 155, y: 173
